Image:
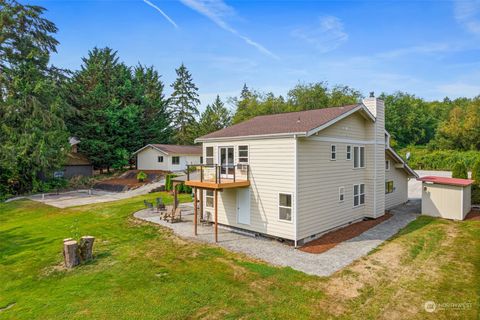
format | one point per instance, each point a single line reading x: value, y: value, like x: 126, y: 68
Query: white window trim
x: 387, y: 167
x: 333, y: 152
x: 341, y: 191
x: 359, y: 153
x: 209, y: 157
x: 207, y: 196
x: 348, y: 153
x: 238, y: 153
x: 359, y: 194
x: 279, y: 206
x: 176, y: 164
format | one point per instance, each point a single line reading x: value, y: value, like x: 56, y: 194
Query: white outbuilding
x: 448, y: 198
x: 167, y: 157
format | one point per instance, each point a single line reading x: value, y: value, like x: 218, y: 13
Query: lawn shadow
x: 13, y: 241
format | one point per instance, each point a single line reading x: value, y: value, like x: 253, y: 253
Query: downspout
x: 296, y: 188
x: 375, y: 171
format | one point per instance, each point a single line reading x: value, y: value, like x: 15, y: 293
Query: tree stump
x: 70, y: 253
x: 86, y: 248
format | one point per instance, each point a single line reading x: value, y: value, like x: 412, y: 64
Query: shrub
x: 141, y: 176
x: 459, y: 170
x: 476, y: 184
x: 423, y: 159
x: 168, y: 181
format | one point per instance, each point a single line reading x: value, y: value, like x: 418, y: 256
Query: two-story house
x: 298, y: 175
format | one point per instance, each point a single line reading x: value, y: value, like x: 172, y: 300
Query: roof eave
x: 251, y: 137
x: 406, y: 167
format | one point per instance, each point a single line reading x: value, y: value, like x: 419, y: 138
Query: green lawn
x: 143, y: 271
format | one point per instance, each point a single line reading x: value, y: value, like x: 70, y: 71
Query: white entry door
x: 227, y: 156
x: 243, y: 205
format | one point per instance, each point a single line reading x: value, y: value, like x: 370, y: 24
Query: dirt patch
x: 331, y: 239
x: 128, y: 180
x: 239, y: 272
x: 473, y: 215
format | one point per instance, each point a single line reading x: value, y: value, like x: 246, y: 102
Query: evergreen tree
x: 107, y: 120
x: 155, y: 122
x: 215, y: 117
x: 183, y: 106
x: 33, y: 137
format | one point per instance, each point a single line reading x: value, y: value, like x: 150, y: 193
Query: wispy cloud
x: 467, y: 13
x: 217, y: 11
x: 327, y: 35
x: 431, y: 48
x: 161, y: 12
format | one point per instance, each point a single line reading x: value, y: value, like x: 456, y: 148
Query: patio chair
x: 159, y: 204
x: 148, y: 205
x: 176, y: 216
x: 167, y: 213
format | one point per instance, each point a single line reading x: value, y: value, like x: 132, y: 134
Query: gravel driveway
x: 279, y: 254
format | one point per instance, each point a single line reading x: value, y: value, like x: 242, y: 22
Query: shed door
x: 243, y: 205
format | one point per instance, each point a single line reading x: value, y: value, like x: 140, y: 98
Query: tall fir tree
x: 215, y: 117
x: 107, y: 119
x: 155, y: 121
x: 33, y: 137
x: 183, y: 106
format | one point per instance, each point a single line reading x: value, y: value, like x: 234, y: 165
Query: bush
x: 141, y: 176
x: 424, y: 159
x: 476, y: 184
x: 168, y: 181
x: 459, y: 170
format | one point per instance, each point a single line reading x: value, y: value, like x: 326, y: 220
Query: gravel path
x: 279, y: 254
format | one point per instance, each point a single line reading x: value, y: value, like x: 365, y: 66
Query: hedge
x: 423, y: 159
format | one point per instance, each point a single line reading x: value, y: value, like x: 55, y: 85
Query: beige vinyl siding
x: 272, y: 171
x: 352, y: 127
x: 400, y: 185
x: 319, y: 180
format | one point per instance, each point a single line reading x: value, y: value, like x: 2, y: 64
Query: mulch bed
x: 331, y: 239
x: 473, y: 215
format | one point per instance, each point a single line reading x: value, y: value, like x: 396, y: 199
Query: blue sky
x: 429, y: 48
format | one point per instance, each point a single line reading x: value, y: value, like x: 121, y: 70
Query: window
x: 175, y: 160
x: 387, y: 165
x: 341, y: 194
x: 285, y: 207
x: 209, y: 155
x: 160, y: 159
x: 201, y: 160
x: 349, y: 152
x: 359, y: 157
x: 333, y: 152
x: 389, y: 187
x: 243, y: 154
x: 209, y: 199
x: 358, y: 194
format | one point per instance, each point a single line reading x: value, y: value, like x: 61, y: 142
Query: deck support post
x: 201, y: 205
x: 216, y: 214
x: 195, y: 208
x: 175, y: 196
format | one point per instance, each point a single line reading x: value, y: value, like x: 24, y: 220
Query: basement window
x: 358, y: 194
x: 285, y: 207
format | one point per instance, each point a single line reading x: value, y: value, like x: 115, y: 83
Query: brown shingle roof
x: 292, y: 122
x: 176, y: 149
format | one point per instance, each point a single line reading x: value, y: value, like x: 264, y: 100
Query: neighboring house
x: 167, y: 157
x: 77, y: 163
x: 298, y: 175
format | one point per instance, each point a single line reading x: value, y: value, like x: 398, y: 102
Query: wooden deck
x: 224, y: 184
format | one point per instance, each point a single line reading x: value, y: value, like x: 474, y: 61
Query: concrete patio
x: 280, y: 254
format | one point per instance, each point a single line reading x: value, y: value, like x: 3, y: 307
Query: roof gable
x: 303, y: 123
x: 171, y: 149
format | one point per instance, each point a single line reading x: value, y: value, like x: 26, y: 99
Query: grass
x: 143, y: 271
